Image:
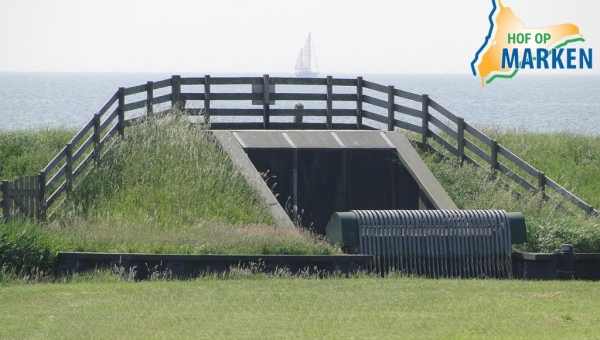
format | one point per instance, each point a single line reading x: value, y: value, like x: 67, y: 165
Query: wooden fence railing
x: 368, y: 105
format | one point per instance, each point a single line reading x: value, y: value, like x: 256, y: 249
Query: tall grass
x: 25, y: 153
x: 166, y: 188
x: 572, y: 160
x: 549, y: 224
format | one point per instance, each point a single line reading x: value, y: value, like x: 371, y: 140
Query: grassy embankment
x: 165, y: 188
x: 571, y: 160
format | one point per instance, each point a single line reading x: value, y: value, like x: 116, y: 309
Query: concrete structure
x: 312, y: 174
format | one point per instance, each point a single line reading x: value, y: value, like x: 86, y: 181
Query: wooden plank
x: 298, y: 81
x: 149, y: 98
x: 374, y: 101
x: 135, y: 89
x: 120, y: 123
x: 568, y: 195
x: 235, y: 80
x: 359, y: 101
x: 57, y: 176
x: 299, y: 112
x: 23, y: 186
x: 517, y: 161
x: 83, y: 131
x: 374, y: 86
x: 440, y: 125
x: 516, y: 178
x: 266, y: 100
x: 83, y: 148
x: 192, y: 81
x: 207, y: 98
x: 476, y: 150
x: 69, y: 167
x: 390, y: 109
x: 443, y: 143
x: 55, y: 194
x: 192, y: 96
x: 408, y: 110
x: 61, y: 154
x: 162, y: 99
x: 175, y: 89
x: 408, y: 95
x: 82, y: 166
x: 109, y: 134
x: 108, y: 120
x: 408, y: 126
x: 25, y: 191
x: 328, y: 119
x: 236, y: 112
x: 425, y: 120
x: 443, y: 111
x: 109, y: 103
x: 374, y: 116
x: 461, y: 139
x: 231, y: 96
x: 161, y: 84
x: 285, y: 126
x: 343, y: 112
x: 134, y: 106
x: 343, y: 82
x: 299, y: 96
x: 344, y: 97
x: 478, y: 134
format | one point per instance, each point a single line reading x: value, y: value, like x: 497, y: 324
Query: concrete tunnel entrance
x: 322, y: 172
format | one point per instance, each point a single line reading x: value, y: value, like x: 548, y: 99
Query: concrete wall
x: 323, y: 181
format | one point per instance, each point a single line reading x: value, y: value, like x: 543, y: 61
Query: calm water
x: 540, y: 103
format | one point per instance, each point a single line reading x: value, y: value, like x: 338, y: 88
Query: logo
x: 510, y: 46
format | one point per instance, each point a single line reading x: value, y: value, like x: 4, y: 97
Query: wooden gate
x: 21, y: 198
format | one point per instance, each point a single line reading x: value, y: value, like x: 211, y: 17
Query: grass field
x: 359, y: 308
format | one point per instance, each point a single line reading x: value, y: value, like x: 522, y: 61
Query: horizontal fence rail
x: 368, y: 104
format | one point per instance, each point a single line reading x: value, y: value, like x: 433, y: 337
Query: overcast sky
x: 374, y: 36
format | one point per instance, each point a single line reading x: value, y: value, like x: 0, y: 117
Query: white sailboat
x: 304, y: 62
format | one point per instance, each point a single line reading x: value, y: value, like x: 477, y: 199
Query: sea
x: 532, y: 102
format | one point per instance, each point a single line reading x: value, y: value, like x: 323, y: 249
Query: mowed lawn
x: 284, y: 308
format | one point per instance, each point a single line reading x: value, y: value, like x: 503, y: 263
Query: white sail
x: 304, y: 61
x: 299, y: 61
x: 306, y: 54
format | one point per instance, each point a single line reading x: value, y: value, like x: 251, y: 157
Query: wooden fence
x: 369, y: 105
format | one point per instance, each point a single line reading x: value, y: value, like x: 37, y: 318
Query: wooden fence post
x: 542, y: 183
x: 69, y: 168
x: 461, y: 140
x: 266, y: 101
x: 6, y: 200
x: 329, y: 119
x: 149, y: 98
x: 175, y: 92
x: 359, y: 95
x: 494, y: 156
x: 390, y: 108
x: 206, y: 99
x: 424, y: 120
x: 96, y: 139
x: 121, y: 112
x: 41, y: 211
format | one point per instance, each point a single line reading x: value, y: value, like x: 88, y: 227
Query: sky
x: 263, y: 36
